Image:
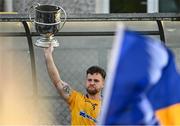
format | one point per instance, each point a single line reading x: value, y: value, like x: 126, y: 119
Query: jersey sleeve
x: 72, y: 98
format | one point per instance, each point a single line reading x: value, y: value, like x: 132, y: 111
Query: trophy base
x: 46, y: 42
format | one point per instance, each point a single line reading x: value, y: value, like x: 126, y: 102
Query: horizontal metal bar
x: 107, y: 33
x: 101, y: 17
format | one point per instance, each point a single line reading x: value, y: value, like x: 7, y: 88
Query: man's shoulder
x: 76, y: 93
x: 75, y: 96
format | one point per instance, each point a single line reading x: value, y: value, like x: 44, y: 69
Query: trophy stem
x: 45, y: 42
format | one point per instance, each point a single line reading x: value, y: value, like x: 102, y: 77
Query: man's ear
x: 104, y: 81
x: 103, y: 85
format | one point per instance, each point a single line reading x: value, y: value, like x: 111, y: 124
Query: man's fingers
x: 49, y: 49
x: 52, y: 47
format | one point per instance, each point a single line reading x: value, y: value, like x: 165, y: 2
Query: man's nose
x: 92, y: 82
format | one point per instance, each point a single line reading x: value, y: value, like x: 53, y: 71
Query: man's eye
x: 96, y: 80
x: 89, y: 80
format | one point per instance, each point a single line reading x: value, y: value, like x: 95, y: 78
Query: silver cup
x: 47, y: 23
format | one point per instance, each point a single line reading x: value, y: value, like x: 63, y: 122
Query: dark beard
x: 92, y: 92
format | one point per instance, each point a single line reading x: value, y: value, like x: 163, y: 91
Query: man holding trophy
x: 85, y: 109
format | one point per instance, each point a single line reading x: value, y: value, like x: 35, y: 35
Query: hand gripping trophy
x: 47, y: 22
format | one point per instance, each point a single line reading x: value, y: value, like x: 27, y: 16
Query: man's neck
x: 94, y: 97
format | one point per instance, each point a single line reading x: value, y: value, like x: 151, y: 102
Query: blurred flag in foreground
x: 143, y: 84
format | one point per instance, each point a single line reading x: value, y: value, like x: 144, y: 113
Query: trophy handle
x: 65, y: 17
x: 31, y: 9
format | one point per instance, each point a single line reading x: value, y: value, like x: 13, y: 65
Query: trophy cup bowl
x: 47, y: 23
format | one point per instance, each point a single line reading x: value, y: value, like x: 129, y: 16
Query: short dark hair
x: 96, y: 69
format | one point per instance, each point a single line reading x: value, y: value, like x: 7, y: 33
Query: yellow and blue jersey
x: 84, y: 111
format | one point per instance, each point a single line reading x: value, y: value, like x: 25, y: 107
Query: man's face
x: 94, y: 83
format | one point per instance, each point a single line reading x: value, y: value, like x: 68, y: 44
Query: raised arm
x: 63, y: 88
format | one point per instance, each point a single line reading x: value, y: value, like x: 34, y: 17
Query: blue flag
x: 141, y: 78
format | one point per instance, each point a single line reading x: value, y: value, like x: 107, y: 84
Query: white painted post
x: 8, y: 5
x: 102, y: 6
x: 152, y: 6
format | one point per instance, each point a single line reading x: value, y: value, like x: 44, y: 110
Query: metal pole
x: 32, y: 56
x: 161, y: 31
